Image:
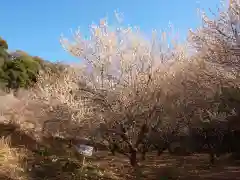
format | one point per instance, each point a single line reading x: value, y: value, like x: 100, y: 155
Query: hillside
x: 18, y: 69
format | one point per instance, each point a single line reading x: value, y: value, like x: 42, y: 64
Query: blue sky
x: 35, y: 26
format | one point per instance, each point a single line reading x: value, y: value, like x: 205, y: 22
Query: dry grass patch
x: 12, y: 161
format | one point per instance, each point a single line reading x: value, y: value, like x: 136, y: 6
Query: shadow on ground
x: 173, y: 167
x: 55, y: 159
x: 51, y: 158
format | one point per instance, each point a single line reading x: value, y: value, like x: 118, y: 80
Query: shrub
x: 20, y: 72
x: 11, y: 161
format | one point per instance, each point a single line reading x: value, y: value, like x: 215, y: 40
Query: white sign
x: 84, y: 149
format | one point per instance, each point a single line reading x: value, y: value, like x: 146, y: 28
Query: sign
x: 85, y: 150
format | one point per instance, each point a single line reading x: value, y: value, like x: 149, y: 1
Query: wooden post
x: 83, y: 163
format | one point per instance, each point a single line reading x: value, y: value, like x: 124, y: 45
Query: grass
x: 12, y: 161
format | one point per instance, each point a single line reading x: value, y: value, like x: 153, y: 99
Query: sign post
x: 84, y: 150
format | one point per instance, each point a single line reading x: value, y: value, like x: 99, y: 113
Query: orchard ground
x: 171, y: 167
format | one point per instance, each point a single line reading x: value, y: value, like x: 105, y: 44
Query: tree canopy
x: 18, y: 69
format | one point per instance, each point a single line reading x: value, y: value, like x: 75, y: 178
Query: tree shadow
x: 171, y: 167
x: 189, y: 167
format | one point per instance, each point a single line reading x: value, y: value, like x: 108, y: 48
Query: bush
x: 20, y: 72
x: 3, y: 51
x: 3, y: 44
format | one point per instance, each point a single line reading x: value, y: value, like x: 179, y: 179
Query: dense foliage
x: 19, y: 69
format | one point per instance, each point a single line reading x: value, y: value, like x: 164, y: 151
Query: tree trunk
x: 133, y: 157
x: 135, y: 165
x: 138, y: 172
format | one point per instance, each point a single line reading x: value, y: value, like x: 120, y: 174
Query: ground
x: 52, y: 160
x: 170, y: 167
